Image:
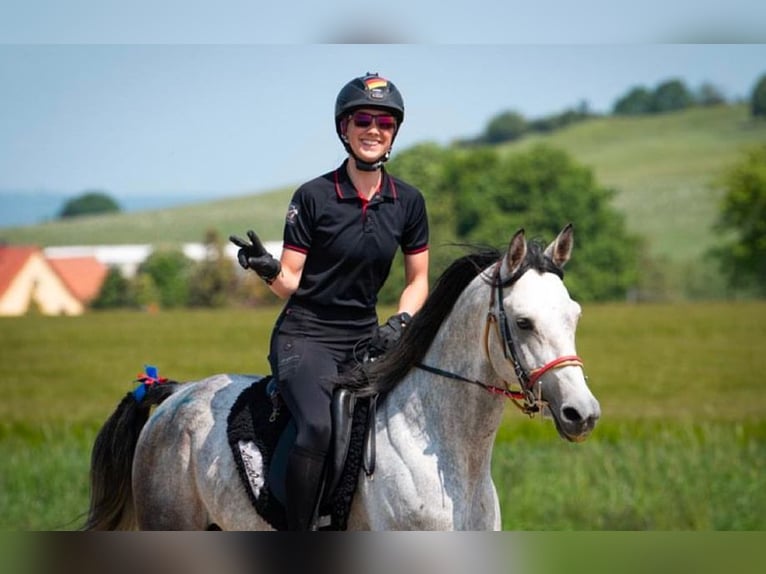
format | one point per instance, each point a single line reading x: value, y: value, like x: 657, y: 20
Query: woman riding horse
x: 492, y: 327
x: 341, y: 233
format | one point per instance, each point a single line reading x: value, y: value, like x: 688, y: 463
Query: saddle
x: 261, y: 433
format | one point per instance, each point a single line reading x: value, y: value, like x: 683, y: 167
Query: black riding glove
x: 388, y: 334
x: 254, y: 256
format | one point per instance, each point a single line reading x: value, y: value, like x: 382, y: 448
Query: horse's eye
x: 524, y: 324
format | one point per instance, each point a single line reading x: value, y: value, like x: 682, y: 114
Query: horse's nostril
x: 571, y: 414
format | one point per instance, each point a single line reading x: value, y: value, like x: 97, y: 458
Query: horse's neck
x: 457, y: 414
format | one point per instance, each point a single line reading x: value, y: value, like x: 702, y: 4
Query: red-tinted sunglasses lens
x: 383, y: 121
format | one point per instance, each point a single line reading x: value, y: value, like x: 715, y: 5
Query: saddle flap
x: 342, y: 411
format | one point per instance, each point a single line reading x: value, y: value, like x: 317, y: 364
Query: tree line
x: 668, y: 96
x: 168, y: 279
x: 478, y: 196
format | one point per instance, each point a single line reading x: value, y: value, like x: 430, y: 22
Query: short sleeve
x: 415, y: 236
x: 299, y: 221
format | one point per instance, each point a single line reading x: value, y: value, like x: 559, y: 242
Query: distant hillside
x: 662, y: 167
x: 263, y: 212
x: 22, y: 208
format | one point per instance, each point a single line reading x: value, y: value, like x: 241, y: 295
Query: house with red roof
x: 83, y: 276
x: 61, y: 286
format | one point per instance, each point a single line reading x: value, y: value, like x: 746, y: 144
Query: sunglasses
x: 383, y: 121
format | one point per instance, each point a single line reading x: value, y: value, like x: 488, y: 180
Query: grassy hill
x: 663, y: 168
x: 264, y: 212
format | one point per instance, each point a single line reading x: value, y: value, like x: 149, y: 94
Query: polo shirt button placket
x: 369, y: 225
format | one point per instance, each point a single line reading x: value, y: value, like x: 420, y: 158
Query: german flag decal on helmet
x: 375, y: 83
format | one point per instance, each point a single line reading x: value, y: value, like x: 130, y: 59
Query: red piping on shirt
x: 295, y: 248
x: 416, y: 251
x: 364, y: 200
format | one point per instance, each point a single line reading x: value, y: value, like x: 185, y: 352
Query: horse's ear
x: 517, y: 251
x: 560, y: 249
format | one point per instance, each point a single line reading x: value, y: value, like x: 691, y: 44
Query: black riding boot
x: 303, y: 480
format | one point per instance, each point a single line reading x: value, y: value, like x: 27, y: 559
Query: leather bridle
x: 526, y: 399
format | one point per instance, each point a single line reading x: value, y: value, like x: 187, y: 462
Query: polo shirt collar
x: 345, y: 189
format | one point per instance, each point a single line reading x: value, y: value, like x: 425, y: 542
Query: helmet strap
x: 374, y: 166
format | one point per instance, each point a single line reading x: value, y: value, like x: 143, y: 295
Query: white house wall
x: 127, y: 258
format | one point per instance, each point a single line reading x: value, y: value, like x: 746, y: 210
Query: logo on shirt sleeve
x: 292, y: 214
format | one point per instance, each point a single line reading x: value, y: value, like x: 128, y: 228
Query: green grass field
x: 681, y: 445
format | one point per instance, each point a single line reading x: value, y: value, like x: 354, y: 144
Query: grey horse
x: 493, y: 327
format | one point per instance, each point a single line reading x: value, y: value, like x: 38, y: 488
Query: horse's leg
x: 163, y: 478
x: 484, y: 510
x: 165, y: 493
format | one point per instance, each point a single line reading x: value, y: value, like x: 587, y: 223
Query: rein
x: 525, y: 400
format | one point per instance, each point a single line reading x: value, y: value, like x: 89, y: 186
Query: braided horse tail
x: 111, y: 489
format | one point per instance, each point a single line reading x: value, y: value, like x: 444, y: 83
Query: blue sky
x: 204, y: 119
x: 191, y: 99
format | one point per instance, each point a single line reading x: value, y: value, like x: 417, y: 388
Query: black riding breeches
x: 307, y: 351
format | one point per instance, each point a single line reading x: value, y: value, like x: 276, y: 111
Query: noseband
x: 526, y: 399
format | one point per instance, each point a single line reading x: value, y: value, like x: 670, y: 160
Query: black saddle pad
x: 252, y: 419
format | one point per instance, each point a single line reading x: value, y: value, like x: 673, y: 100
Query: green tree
x: 637, y: 101
x: 144, y: 292
x: 90, y: 202
x: 423, y: 166
x: 554, y: 122
x: 743, y: 214
x: 479, y: 196
x: 758, y: 99
x: 504, y: 127
x: 671, y: 95
x: 169, y: 270
x: 213, y: 280
x: 709, y: 95
x: 114, y: 292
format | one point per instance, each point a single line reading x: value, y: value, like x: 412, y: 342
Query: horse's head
x: 535, y: 339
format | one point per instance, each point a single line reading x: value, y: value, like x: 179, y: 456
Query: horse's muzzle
x: 575, y: 424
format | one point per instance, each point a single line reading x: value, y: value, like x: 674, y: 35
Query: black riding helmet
x: 368, y: 91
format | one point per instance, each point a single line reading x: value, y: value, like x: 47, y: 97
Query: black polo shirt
x: 350, y: 242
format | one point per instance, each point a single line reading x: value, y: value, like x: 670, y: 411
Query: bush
x: 670, y: 96
x: 743, y: 214
x: 213, y: 280
x: 169, y: 270
x: 637, y: 101
x: 507, y: 126
x: 114, y: 292
x: 89, y: 203
x: 758, y: 99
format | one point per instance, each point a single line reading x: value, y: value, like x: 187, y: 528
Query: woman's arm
x: 289, y: 277
x: 416, y: 283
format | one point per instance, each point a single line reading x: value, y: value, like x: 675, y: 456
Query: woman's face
x: 370, y: 133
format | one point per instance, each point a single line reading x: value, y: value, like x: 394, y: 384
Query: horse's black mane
x: 383, y: 374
